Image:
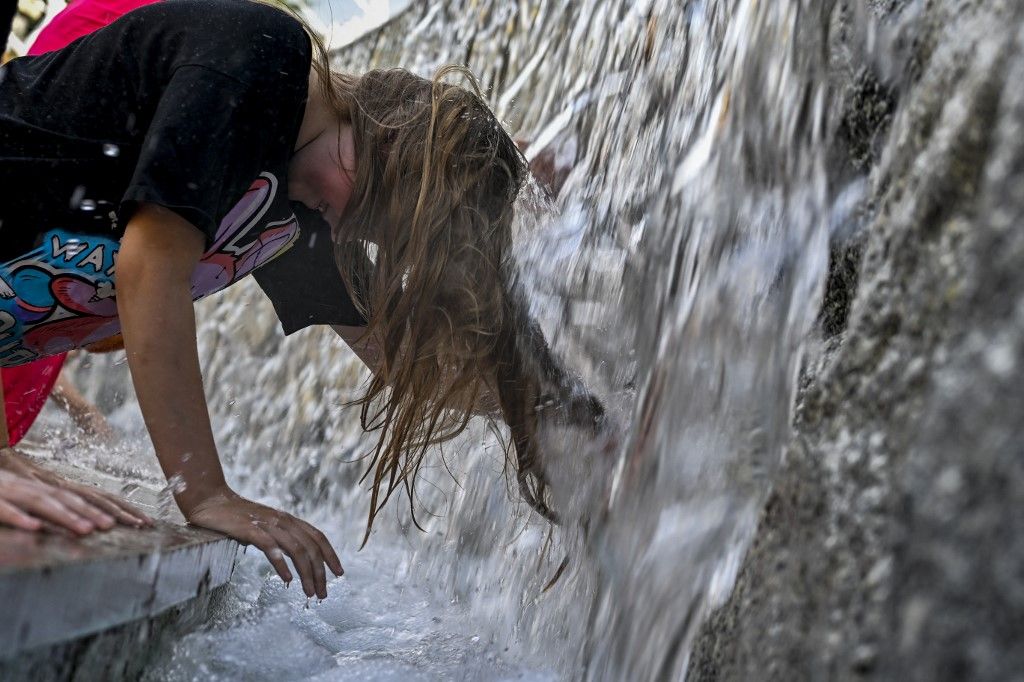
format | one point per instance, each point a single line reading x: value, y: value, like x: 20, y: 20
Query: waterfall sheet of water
x: 679, y: 273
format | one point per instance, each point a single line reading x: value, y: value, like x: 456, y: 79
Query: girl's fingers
x: 127, y: 509
x: 49, y: 527
x: 315, y: 555
x: 39, y: 500
x: 12, y: 516
x: 268, y: 546
x: 77, y: 507
x: 41, y: 504
x: 300, y: 558
x: 122, y: 511
x: 83, y: 508
x: 326, y: 550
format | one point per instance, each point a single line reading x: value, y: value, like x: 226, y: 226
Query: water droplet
x: 165, y: 498
x: 129, y: 488
x: 76, y: 197
x: 111, y: 150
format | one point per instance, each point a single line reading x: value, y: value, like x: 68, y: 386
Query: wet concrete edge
x: 45, y: 605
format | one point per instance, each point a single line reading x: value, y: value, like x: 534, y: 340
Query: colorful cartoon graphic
x: 61, y: 295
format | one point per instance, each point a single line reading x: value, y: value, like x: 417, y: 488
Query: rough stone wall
x: 892, y: 546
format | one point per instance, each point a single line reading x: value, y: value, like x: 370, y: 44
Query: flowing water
x: 679, y: 272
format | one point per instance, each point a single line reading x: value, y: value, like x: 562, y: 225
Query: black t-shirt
x: 304, y: 284
x: 191, y: 104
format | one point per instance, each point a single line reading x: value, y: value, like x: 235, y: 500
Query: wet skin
x: 322, y: 168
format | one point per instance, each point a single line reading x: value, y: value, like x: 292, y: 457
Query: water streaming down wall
x: 889, y: 547
x: 679, y: 276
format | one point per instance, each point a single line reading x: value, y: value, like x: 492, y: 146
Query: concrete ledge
x: 55, y: 589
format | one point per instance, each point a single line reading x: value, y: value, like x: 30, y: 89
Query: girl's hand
x: 275, y: 533
x: 98, y: 508
x: 30, y: 505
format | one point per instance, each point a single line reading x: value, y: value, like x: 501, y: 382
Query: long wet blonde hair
x: 435, y: 186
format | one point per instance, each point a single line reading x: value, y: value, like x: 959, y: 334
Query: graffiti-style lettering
x: 63, y: 293
x: 95, y: 259
x: 69, y: 249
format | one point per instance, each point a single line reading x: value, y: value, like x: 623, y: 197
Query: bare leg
x: 85, y: 415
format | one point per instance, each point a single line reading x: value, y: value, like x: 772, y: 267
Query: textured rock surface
x: 892, y: 546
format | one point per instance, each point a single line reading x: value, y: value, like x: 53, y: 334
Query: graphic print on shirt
x: 61, y: 295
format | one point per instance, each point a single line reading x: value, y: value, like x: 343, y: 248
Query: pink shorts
x: 26, y: 388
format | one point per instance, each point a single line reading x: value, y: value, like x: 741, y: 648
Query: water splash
x: 680, y: 275
x: 166, y: 508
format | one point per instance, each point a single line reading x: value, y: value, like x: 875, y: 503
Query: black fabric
x: 182, y: 103
x: 304, y: 284
x: 8, y: 8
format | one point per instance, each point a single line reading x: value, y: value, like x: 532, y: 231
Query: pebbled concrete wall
x: 892, y: 547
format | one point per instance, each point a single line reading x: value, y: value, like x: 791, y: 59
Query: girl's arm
x: 158, y: 254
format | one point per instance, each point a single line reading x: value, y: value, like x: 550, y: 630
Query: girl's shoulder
x: 216, y: 10
x: 242, y: 24
x: 245, y: 40
x: 244, y: 16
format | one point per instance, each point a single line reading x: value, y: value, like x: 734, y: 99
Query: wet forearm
x: 160, y: 341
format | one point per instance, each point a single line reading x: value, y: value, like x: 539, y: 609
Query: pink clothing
x: 79, y: 18
x: 27, y: 386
